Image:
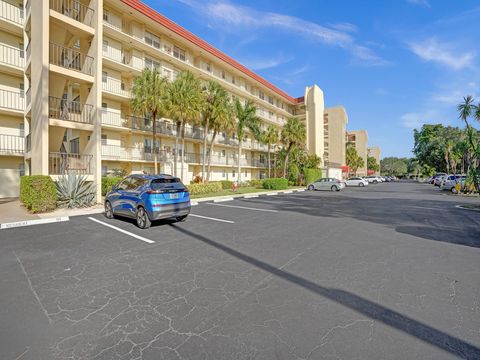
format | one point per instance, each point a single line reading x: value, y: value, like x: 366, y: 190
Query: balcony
x: 74, y: 9
x: 62, y: 109
x: 28, y: 52
x: 11, y: 12
x: 12, y: 100
x: 115, y: 86
x: 120, y: 153
x: 28, y: 96
x: 67, y: 163
x: 11, y: 144
x: 71, y: 59
x: 12, y: 56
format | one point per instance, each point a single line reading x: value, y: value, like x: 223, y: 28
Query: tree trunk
x: 204, y: 157
x: 175, y: 158
x: 239, y: 156
x: 286, y: 162
x: 210, y: 154
x: 269, y: 164
x: 152, y: 149
x: 275, y: 163
x: 183, y: 150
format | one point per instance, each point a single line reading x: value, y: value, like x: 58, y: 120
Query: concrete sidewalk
x: 12, y: 210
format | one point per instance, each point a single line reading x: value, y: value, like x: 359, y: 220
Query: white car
x: 373, y: 179
x: 356, y: 181
x: 449, y: 183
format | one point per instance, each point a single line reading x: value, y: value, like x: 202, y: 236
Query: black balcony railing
x: 70, y: 110
x: 71, y: 59
x: 65, y: 163
x: 74, y: 9
x: 11, y: 144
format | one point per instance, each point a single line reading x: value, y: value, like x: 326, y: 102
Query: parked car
x: 434, y: 177
x: 438, y: 180
x: 146, y: 198
x: 373, y: 179
x: 449, y: 182
x: 356, y: 181
x: 327, y: 184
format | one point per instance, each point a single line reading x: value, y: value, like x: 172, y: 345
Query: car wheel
x: 143, y: 221
x: 334, y: 188
x: 181, y: 218
x: 375, y: 181
x: 361, y: 184
x: 108, y: 210
x: 453, y: 190
x: 311, y: 187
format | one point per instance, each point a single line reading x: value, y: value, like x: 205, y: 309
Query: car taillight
x: 155, y: 191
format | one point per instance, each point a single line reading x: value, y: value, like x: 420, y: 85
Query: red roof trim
x: 169, y: 24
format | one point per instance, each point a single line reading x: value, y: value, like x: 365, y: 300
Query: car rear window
x: 166, y: 183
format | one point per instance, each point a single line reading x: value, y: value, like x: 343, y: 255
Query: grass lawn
x: 242, y: 190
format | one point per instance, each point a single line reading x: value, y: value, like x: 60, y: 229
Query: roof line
x: 187, y: 35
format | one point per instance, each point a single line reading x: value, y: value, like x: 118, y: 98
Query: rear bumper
x: 170, y: 210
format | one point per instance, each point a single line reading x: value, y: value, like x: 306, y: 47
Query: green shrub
x: 275, y: 184
x: 38, y: 193
x: 75, y: 191
x: 256, y: 183
x: 108, y: 182
x: 293, y: 173
x: 226, y: 184
x: 201, y: 189
x: 311, y: 175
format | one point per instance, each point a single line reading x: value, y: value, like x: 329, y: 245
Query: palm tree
x: 270, y: 137
x: 148, y: 99
x: 225, y: 121
x: 465, y: 110
x: 216, y: 106
x: 293, y: 134
x: 184, y: 106
x: 246, y: 120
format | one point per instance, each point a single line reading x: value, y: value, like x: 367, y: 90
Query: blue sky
x: 394, y: 65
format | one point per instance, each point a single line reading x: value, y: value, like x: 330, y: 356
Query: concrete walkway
x: 11, y: 209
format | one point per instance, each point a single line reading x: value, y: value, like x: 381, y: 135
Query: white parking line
x: 422, y: 207
x: 243, y: 207
x: 210, y: 218
x: 123, y: 231
x: 250, y: 196
x: 271, y: 194
x: 300, y: 190
x: 193, y: 203
x: 287, y: 192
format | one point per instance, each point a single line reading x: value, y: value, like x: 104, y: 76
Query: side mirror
x: 114, y: 187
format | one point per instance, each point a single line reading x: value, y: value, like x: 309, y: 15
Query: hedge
x: 108, y: 182
x: 38, y: 193
x: 256, y: 183
x: 311, y: 175
x: 275, y: 184
x: 201, y: 189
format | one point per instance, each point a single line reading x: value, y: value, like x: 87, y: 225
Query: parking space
x: 383, y: 271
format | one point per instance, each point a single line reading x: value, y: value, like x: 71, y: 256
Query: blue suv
x: 146, y: 198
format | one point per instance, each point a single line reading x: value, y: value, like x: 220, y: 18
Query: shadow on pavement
x: 366, y: 307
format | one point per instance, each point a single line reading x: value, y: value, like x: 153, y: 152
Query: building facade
x: 359, y: 138
x: 375, y: 153
x: 66, y: 76
x: 335, y: 122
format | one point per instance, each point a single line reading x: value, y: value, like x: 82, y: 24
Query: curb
x: 33, y: 222
x: 223, y: 199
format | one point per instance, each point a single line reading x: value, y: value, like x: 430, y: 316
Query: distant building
x: 359, y: 138
x: 375, y: 153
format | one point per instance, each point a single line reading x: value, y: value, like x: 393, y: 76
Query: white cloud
x: 262, y: 64
x: 432, y: 50
x: 414, y: 120
x: 232, y: 17
x: 424, y: 3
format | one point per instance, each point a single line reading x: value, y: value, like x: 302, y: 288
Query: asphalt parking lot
x: 391, y: 271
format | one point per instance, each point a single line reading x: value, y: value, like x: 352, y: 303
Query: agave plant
x: 74, y: 191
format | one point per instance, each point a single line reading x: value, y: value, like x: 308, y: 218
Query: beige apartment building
x: 67, y: 67
x: 359, y: 138
x: 335, y: 122
x: 375, y: 153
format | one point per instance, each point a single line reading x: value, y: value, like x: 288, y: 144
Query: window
x: 261, y: 95
x: 179, y: 53
x: 104, y: 170
x: 104, y: 105
x: 104, y: 139
x: 105, y: 15
x: 233, y: 79
x: 76, y: 44
x: 22, y: 89
x: 270, y: 100
x: 75, y: 146
x: 124, y: 185
x: 104, y: 76
x: 105, y: 45
x: 222, y: 153
x: 224, y: 174
x: 208, y: 67
x: 234, y: 173
x: 152, y: 40
x: 152, y: 64
x: 21, y: 169
x: 246, y: 173
x: 22, y: 53
x: 167, y: 49
x: 167, y: 74
x: 21, y: 128
x: 223, y: 74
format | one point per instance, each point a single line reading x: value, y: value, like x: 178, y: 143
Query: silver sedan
x: 356, y: 181
x: 327, y: 184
